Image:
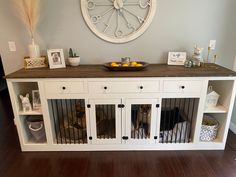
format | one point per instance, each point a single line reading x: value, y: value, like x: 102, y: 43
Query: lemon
x: 113, y: 63
x: 138, y: 65
x: 133, y: 63
x: 125, y: 65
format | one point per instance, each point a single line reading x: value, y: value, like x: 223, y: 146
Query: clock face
x: 118, y: 21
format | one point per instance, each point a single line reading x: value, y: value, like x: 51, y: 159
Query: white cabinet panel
x: 125, y: 87
x: 105, y: 118
x: 55, y: 87
x: 182, y: 86
x: 141, y: 117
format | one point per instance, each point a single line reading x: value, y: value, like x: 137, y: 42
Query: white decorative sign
x: 118, y: 21
x: 176, y: 58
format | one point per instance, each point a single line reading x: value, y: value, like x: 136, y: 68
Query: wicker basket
x: 209, y: 128
x: 35, y: 62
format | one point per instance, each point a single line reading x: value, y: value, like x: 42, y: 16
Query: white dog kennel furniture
x: 88, y: 108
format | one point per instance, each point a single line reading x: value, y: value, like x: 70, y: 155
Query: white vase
x: 34, y: 51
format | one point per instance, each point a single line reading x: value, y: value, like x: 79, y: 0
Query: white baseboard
x: 233, y: 127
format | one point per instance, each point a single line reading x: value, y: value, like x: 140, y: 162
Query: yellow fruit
x: 125, y: 65
x: 133, y: 63
x: 113, y: 63
x: 138, y: 65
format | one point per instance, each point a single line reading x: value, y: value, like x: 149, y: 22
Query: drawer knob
x: 63, y: 88
x: 182, y: 87
x: 141, y: 87
x: 105, y: 88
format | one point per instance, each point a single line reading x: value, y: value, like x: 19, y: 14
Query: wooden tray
x: 127, y: 68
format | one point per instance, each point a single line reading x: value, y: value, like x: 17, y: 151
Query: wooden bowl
x: 126, y: 68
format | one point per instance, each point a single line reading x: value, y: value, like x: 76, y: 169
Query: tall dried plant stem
x: 28, y: 13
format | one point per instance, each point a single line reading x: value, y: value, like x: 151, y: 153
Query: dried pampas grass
x: 28, y: 13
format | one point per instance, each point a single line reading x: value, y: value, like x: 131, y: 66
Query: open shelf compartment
x: 224, y: 88
x: 222, y: 120
x: 22, y: 88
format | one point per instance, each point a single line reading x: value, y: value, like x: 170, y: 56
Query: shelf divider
x: 217, y: 109
x: 33, y: 112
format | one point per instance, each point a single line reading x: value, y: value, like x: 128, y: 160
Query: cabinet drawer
x: 55, y: 87
x: 182, y: 86
x: 125, y: 87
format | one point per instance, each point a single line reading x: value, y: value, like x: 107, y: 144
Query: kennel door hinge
x: 125, y: 137
x: 155, y: 137
x: 157, y: 105
x: 121, y: 105
x: 88, y: 105
x: 90, y: 138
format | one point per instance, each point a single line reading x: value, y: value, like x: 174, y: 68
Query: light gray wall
x: 177, y: 26
x: 11, y: 30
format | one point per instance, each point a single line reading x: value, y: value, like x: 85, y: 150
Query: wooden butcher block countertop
x: 98, y: 71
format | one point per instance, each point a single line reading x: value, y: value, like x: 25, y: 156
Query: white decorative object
x: 36, y: 99
x: 56, y: 58
x: 26, y: 105
x: 35, y: 62
x: 74, y: 61
x: 118, y: 21
x: 176, y: 58
x: 212, y: 97
x: 34, y: 51
x: 197, y: 56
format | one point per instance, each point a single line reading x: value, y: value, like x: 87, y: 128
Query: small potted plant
x: 73, y: 59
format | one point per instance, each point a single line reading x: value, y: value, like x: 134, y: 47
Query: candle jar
x: 125, y: 60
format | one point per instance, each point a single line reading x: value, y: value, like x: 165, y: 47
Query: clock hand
x: 97, y: 18
x: 118, y: 32
x: 92, y: 4
x: 142, y: 5
x: 109, y: 21
x: 140, y: 19
x: 148, y: 3
x: 129, y: 25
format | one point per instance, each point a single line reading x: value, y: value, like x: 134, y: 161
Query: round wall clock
x: 118, y: 21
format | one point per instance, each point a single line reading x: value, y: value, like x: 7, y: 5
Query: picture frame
x: 36, y: 100
x: 177, y: 58
x: 56, y: 58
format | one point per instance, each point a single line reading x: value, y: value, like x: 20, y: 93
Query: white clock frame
x: 118, y: 4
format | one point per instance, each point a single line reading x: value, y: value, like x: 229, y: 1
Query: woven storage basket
x: 209, y: 128
x: 30, y: 63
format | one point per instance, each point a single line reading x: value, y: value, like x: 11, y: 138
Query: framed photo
x: 56, y: 58
x: 177, y: 58
x: 36, y: 99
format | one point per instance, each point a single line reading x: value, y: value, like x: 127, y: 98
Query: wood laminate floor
x: 14, y: 163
